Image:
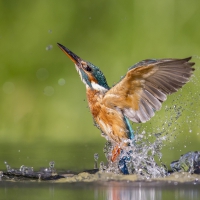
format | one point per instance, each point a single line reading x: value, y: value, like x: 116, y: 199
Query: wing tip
x: 189, y: 63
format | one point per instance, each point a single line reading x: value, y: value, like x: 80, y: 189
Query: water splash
x: 96, y: 157
x: 189, y: 162
x: 144, y: 157
x: 137, y: 159
x: 8, y: 167
x: 1, y: 175
x: 51, y: 168
x: 28, y: 172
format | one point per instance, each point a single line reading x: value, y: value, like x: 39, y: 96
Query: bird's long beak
x: 70, y: 54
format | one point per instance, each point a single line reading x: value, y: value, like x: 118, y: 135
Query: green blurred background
x: 43, y: 108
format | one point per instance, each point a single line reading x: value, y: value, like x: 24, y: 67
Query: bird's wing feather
x: 146, y: 85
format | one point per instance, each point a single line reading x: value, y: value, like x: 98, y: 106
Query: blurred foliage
x: 42, y: 98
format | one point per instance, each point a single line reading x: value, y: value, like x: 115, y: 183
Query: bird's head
x: 90, y: 75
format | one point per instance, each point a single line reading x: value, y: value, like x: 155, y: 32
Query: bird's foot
x: 115, y: 153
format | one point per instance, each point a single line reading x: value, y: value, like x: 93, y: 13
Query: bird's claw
x: 115, y: 153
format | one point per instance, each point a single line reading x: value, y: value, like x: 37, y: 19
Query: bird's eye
x: 88, y: 69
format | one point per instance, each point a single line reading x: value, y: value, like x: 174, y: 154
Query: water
x: 101, y: 185
x: 136, y: 159
x: 96, y: 191
x: 189, y: 162
x: 47, y: 184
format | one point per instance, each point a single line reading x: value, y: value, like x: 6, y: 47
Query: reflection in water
x: 100, y: 190
x: 133, y: 193
x: 150, y: 191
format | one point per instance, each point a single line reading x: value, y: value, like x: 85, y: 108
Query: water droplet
x: 1, y: 174
x: 21, y: 168
x: 39, y: 176
x: 61, y: 81
x: 8, y: 167
x: 96, y: 157
x: 49, y: 47
x: 101, y: 166
x: 51, y: 164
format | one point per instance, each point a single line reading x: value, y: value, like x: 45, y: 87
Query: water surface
x: 111, y: 190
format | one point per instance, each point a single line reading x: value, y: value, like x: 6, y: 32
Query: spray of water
x: 138, y: 158
x: 28, y: 172
x: 143, y: 156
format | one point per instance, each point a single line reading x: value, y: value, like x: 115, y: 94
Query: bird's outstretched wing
x: 146, y: 85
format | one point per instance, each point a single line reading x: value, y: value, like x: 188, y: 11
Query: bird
x: 136, y: 97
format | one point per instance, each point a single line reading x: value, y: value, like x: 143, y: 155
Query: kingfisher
x: 136, y: 97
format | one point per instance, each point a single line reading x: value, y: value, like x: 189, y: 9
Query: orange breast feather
x: 109, y: 120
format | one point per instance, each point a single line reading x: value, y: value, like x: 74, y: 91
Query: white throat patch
x: 79, y: 72
x: 98, y: 87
